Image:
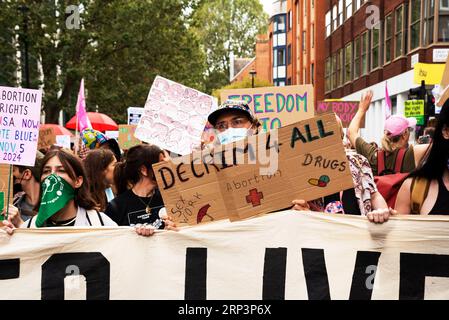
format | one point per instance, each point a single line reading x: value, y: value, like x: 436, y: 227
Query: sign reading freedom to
x: 20, y: 111
x: 276, y: 107
x: 346, y: 110
x: 259, y: 174
x: 285, y: 255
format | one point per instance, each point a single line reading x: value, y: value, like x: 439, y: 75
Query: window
x: 334, y: 72
x: 289, y: 81
x: 289, y: 54
x: 388, y: 37
x: 313, y: 36
x: 304, y: 36
x: 348, y: 63
x: 312, y: 73
x: 428, y: 22
x: 398, y: 35
x: 334, y: 18
x: 358, y: 4
x: 357, y: 50
x: 375, y: 48
x: 290, y: 22
x: 415, y: 23
x: 305, y: 8
x: 340, y: 12
x: 365, y: 57
x: 328, y: 24
x: 281, y: 23
x: 443, y: 24
x: 281, y: 57
x: 327, y: 75
x: 340, y: 71
x: 348, y: 8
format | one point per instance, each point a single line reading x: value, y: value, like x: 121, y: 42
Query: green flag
x: 56, y: 193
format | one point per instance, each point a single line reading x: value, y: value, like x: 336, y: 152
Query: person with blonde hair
x: 397, y: 131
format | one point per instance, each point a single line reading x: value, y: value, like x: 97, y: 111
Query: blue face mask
x: 232, y: 134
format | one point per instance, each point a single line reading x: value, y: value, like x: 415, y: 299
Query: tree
x: 245, y: 83
x: 225, y: 27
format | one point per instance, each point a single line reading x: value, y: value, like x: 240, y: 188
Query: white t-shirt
x: 84, y: 218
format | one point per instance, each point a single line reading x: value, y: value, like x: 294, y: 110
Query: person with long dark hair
x: 65, y: 198
x: 138, y: 201
x: 99, y: 165
x: 433, y: 174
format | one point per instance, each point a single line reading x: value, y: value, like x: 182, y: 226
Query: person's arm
x: 419, y: 151
x: 354, y: 126
x: 7, y: 227
x: 378, y: 201
x: 402, y: 205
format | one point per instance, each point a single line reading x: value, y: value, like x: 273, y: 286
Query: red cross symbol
x: 254, y: 197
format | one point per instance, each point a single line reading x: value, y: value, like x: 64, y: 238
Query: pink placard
x: 20, y: 111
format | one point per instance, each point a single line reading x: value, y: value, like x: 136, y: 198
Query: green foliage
x: 225, y: 27
x: 245, y: 83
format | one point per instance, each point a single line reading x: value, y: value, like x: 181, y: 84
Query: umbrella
x: 57, y: 129
x: 99, y: 121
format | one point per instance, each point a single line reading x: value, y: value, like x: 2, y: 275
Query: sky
x: 267, y: 5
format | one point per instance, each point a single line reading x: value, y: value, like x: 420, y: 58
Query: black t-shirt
x: 128, y: 209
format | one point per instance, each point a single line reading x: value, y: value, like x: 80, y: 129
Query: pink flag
x: 81, y: 114
x: 388, y: 102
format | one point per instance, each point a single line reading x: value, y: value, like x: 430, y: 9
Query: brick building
x: 369, y: 43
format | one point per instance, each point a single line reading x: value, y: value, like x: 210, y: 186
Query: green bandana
x: 56, y: 193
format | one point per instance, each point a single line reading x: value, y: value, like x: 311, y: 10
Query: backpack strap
x: 29, y: 222
x: 418, y: 193
x: 380, y: 161
x: 399, y: 160
x: 94, y: 218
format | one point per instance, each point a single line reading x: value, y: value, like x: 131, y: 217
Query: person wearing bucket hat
x: 396, y: 135
x: 94, y: 139
x: 233, y: 120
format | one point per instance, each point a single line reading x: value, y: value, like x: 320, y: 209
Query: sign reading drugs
x: 47, y: 138
x: 174, y: 117
x: 346, y: 110
x: 276, y: 107
x: 259, y: 174
x: 126, y: 139
x: 20, y: 110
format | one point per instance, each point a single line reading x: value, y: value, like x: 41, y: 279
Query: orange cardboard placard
x: 126, y: 138
x: 4, y: 185
x: 47, y: 138
x: 276, y: 107
x: 260, y: 174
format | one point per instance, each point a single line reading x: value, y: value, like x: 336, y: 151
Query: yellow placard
x: 431, y: 73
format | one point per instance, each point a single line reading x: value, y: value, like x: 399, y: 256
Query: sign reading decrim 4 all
x: 276, y: 107
x: 20, y: 110
x: 256, y: 175
x: 415, y: 109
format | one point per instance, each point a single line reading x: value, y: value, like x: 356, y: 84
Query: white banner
x: 286, y: 255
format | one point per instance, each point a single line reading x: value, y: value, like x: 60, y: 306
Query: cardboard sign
x: 259, y: 174
x: 112, y: 134
x: 47, y: 138
x: 134, y: 115
x: 276, y: 107
x: 346, y: 110
x: 175, y: 116
x: 431, y: 73
x: 444, y: 86
x: 63, y: 141
x: 415, y: 109
x: 5, y: 183
x: 20, y: 111
x: 126, y: 138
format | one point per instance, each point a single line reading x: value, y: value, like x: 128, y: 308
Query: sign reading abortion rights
x: 276, y: 107
x: 20, y: 110
x: 260, y: 174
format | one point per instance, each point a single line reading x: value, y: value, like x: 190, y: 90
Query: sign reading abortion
x: 346, y: 110
x: 20, y: 110
x: 276, y: 107
x: 259, y: 174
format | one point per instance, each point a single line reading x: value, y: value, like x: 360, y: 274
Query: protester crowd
x: 100, y: 185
